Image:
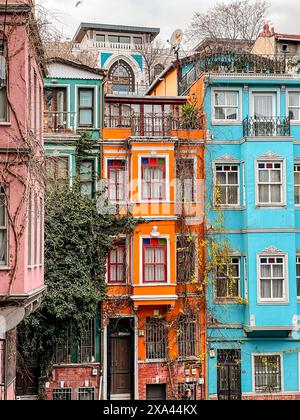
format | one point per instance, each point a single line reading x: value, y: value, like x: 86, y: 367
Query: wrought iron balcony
x: 59, y: 122
x: 152, y: 125
x: 267, y: 127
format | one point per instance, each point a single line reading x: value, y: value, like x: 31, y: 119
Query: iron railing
x: 59, y: 122
x: 230, y: 62
x: 152, y: 125
x: 267, y: 127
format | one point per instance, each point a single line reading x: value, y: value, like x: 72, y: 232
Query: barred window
x: 57, y: 172
x: 3, y: 228
x: 87, y: 345
x: 187, y: 391
x: 187, y: 341
x: 186, y: 254
x: 62, y: 394
x: 156, y: 339
x: 228, y: 280
x: 63, y: 350
x: 185, y: 180
x: 86, y: 394
x: 267, y: 370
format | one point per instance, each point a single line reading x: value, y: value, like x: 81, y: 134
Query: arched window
x: 122, y: 77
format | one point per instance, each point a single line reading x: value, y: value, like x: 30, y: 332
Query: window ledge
x: 215, y: 122
x: 229, y: 301
x: 274, y: 303
x: 5, y: 268
x: 5, y: 124
x: 230, y: 208
x: 270, y: 207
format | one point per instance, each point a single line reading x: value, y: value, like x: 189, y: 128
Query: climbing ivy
x: 77, y: 243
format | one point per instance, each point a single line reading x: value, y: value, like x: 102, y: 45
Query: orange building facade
x: 154, y: 336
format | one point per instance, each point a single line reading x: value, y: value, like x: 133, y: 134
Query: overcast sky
x: 165, y: 14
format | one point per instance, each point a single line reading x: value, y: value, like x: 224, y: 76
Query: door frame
x: 105, y: 357
x: 229, y: 365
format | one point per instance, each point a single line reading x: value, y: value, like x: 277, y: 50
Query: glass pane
x: 3, y: 105
x: 265, y: 286
x: 231, y: 114
x: 275, y: 194
x: 87, y: 189
x: 232, y: 195
x: 278, y: 271
x: 2, y: 211
x: 149, y: 255
x: 220, y: 113
x: 86, y: 98
x: 263, y: 106
x: 276, y: 176
x: 263, y: 176
x: 221, y: 178
x: 263, y: 194
x: 294, y: 99
x: 294, y: 114
x: 297, y: 178
x: 231, y: 99
x: 233, y: 178
x: 277, y: 289
x: 86, y: 117
x: 86, y: 171
x: 222, y: 287
x: 266, y: 271
x: 220, y: 98
x: 3, y: 247
x: 124, y: 39
x: 100, y: 38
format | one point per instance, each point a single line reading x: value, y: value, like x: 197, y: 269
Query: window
x: 187, y: 391
x: 158, y: 69
x: 122, y: 77
x: 3, y: 228
x: 185, y: 180
x: 156, y: 339
x: 155, y: 260
x: 272, y: 278
x: 36, y: 229
x: 86, y: 107
x: 228, y: 280
x: 298, y: 276
x: 228, y: 185
x: 187, y: 342
x: 294, y: 106
x: 117, y: 264
x: 3, y: 82
x: 87, y: 179
x: 285, y: 48
x: 100, y: 38
x: 115, y: 39
x: 62, y: 394
x: 186, y: 253
x: 267, y: 372
x: 116, y: 180
x: 270, y: 185
x: 86, y: 394
x: 137, y: 40
x: 297, y: 184
x: 226, y: 106
x: 29, y: 228
x: 35, y: 100
x: 153, y: 178
x: 63, y: 350
x: 87, y: 345
x: 57, y: 172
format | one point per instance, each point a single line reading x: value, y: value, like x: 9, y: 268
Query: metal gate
x: 2, y: 368
x: 229, y: 375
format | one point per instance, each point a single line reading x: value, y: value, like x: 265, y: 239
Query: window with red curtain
x: 117, y: 264
x: 155, y: 260
x: 116, y: 180
x: 153, y: 178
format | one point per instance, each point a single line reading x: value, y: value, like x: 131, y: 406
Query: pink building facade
x: 21, y: 183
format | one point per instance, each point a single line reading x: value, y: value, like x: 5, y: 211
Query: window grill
x: 267, y: 374
x: 62, y: 394
x: 156, y: 339
x: 187, y: 342
x: 186, y: 259
x: 187, y: 391
x: 185, y: 175
x: 87, y: 345
x: 86, y: 394
x: 63, y: 351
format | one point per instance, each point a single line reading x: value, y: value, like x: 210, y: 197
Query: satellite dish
x: 176, y: 38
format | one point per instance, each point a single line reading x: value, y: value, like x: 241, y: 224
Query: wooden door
x: 121, y: 368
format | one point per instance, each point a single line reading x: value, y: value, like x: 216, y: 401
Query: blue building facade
x: 252, y: 171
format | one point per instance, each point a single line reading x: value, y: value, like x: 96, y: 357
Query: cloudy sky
x: 166, y: 14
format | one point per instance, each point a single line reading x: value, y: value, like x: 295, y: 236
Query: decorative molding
x: 269, y: 155
x: 272, y: 250
x: 227, y: 158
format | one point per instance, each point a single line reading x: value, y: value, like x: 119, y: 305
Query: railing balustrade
x: 59, y: 122
x: 267, y: 127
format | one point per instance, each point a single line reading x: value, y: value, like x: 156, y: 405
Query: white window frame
x: 273, y: 301
x: 253, y: 371
x: 228, y: 206
x: 283, y: 183
x: 230, y: 298
x: 295, y: 122
x: 238, y: 120
x: 5, y: 227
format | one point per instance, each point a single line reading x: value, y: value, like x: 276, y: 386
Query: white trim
x: 275, y: 302
x: 253, y: 370
x: 269, y: 206
x: 158, y: 298
x: 237, y: 206
x: 262, y: 91
x: 238, y: 121
x: 167, y: 178
x: 293, y: 122
x: 141, y: 271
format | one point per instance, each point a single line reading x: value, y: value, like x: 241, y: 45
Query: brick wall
x: 159, y: 373
x: 73, y: 377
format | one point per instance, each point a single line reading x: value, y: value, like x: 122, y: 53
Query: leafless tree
x: 239, y: 19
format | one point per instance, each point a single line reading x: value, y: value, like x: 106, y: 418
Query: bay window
x: 117, y: 264
x: 155, y: 260
x: 116, y: 180
x: 270, y: 183
x: 3, y: 228
x: 228, y: 185
x: 226, y: 105
x: 153, y: 178
x: 86, y: 107
x: 272, y: 278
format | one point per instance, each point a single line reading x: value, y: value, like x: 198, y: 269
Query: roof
x: 83, y: 27
x: 287, y: 37
x: 84, y: 69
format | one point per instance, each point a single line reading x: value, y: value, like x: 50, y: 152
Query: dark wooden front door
x: 121, y: 365
x: 229, y: 375
x: 156, y: 392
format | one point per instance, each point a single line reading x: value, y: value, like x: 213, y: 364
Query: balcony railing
x: 59, y: 122
x: 267, y: 127
x: 152, y: 125
x: 110, y: 46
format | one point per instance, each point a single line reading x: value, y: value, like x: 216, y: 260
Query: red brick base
x: 269, y: 397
